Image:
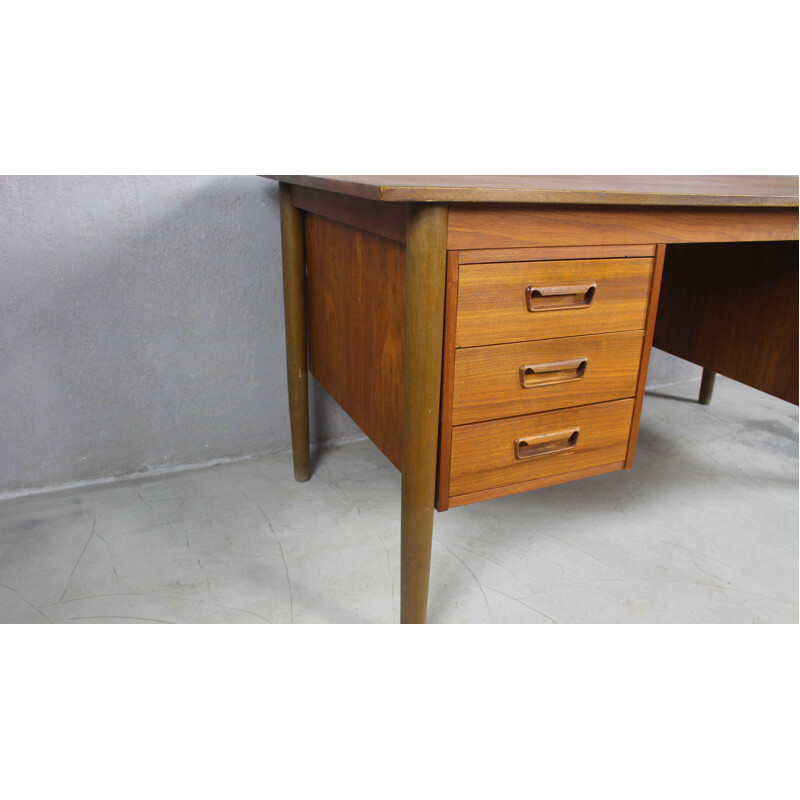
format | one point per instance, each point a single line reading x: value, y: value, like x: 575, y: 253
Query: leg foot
x: 706, y: 387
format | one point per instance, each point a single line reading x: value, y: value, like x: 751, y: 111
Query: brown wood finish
x: 448, y: 373
x: 644, y: 361
x: 537, y: 483
x: 382, y: 219
x: 371, y: 301
x: 492, y: 305
x: 294, y: 303
x: 733, y: 309
x: 686, y: 190
x: 554, y: 253
x: 488, y: 384
x: 356, y: 286
x: 492, y: 226
x: 426, y: 253
x: 483, y: 456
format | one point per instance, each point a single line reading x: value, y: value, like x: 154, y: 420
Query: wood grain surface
x: 494, y: 226
x: 733, y: 309
x: 356, y: 291
x: 484, y: 457
x: 488, y: 383
x: 492, y: 306
x: 534, y: 483
x: 555, y: 253
x: 383, y: 219
x: 644, y: 360
x: 448, y: 376
x: 687, y: 190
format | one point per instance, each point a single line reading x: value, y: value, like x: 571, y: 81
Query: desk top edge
x: 657, y: 190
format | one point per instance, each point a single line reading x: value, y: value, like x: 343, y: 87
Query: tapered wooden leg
x: 426, y: 254
x: 706, y: 387
x: 294, y: 303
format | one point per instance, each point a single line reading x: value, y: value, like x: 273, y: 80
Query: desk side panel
x: 356, y: 299
x: 733, y: 309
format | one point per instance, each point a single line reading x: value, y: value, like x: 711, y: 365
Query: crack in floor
x: 283, y: 556
x: 69, y: 580
x: 480, y: 585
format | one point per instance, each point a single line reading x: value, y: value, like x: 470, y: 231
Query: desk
x: 491, y: 335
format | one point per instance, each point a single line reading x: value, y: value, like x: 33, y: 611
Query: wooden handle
x: 558, y: 298
x: 558, y: 442
x: 531, y: 375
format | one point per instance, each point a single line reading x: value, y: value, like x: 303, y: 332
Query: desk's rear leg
x: 706, y: 386
x: 426, y: 256
x: 294, y: 302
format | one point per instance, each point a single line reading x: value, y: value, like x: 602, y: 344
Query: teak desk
x: 491, y: 335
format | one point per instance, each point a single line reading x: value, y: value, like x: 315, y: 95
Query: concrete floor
x: 703, y: 529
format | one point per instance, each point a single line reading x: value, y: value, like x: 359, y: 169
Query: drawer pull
x: 558, y: 442
x: 558, y: 298
x: 532, y: 375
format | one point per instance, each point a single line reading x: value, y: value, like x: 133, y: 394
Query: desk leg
x: 706, y: 386
x: 426, y: 256
x: 294, y: 303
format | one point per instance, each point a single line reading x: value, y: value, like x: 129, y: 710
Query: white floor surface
x: 703, y: 529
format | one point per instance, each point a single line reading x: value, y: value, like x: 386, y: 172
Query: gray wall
x: 141, y: 327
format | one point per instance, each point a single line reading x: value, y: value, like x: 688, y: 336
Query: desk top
x: 655, y: 190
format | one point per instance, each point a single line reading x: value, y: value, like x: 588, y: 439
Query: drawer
x: 527, y: 377
x: 521, y: 301
x: 503, y: 452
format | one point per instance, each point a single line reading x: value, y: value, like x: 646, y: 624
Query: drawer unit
x: 545, y: 357
x: 514, y: 302
x: 488, y: 455
x: 526, y: 377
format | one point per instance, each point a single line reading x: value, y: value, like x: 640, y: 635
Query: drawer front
x: 527, y: 377
x: 487, y: 455
x: 522, y: 301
